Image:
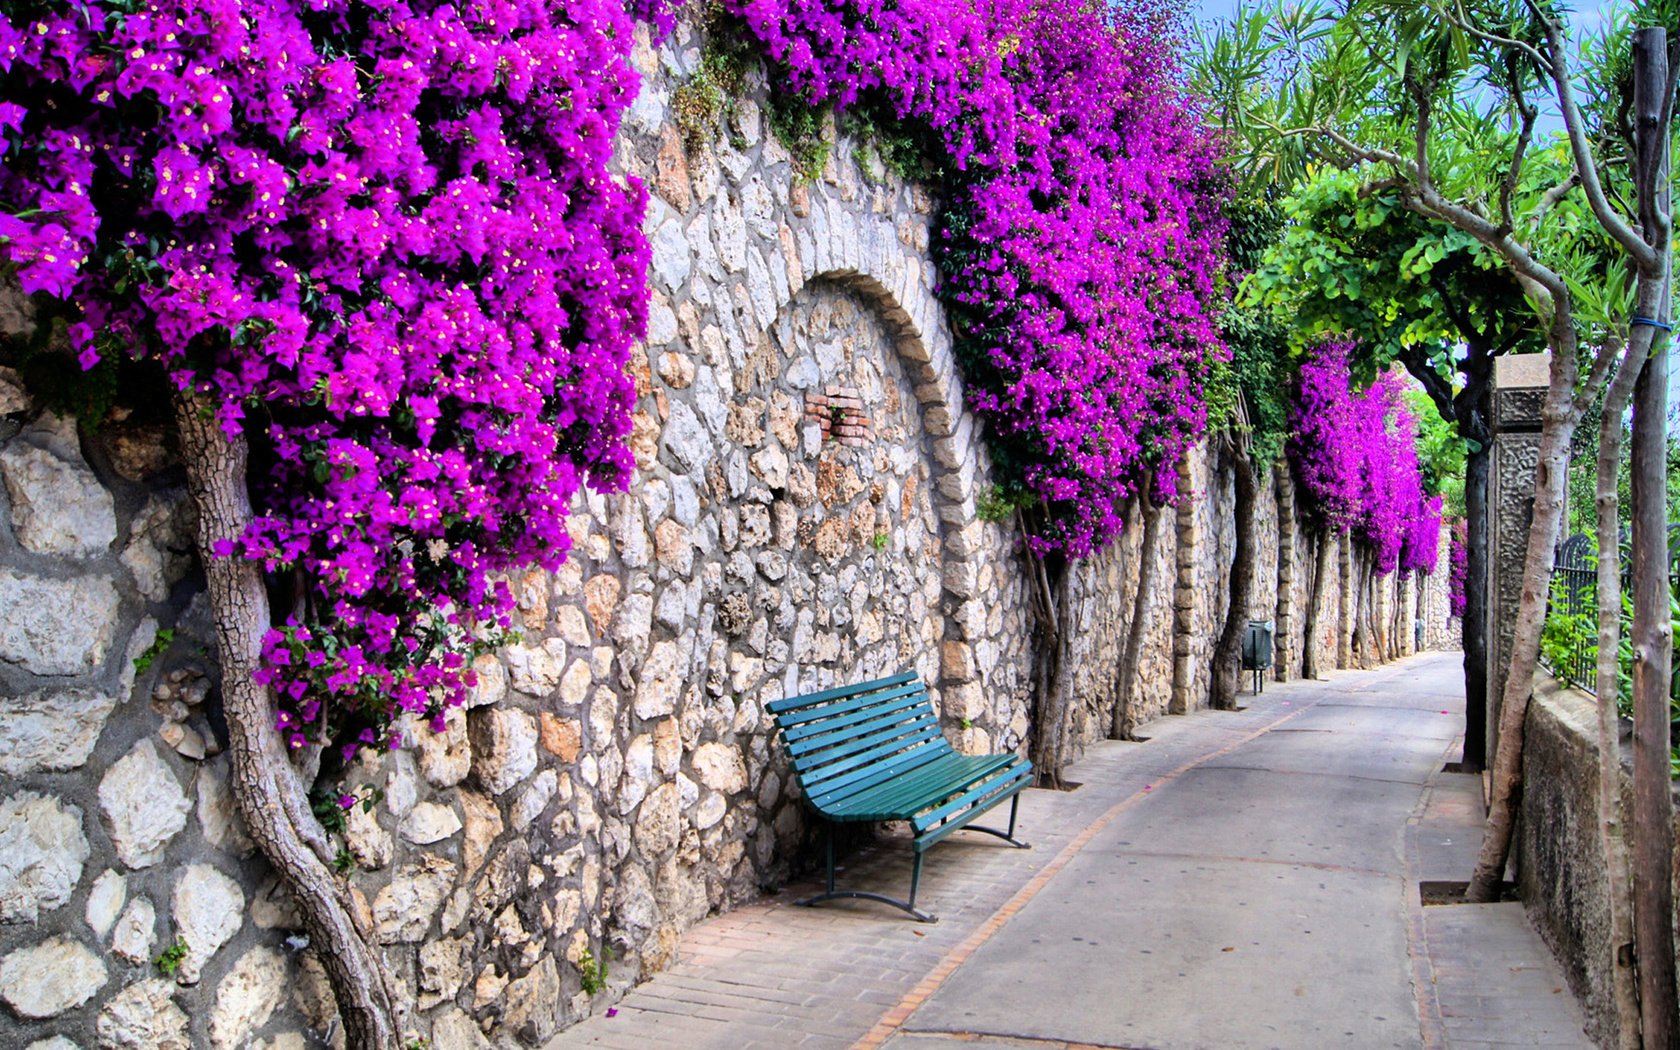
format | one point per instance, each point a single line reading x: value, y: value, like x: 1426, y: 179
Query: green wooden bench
x: 873, y: 752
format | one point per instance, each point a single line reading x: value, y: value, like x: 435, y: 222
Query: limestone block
x: 535, y: 670
x: 671, y: 253
x: 442, y: 970
x: 136, y: 932
x: 454, y: 1029
x: 403, y: 910
x: 492, y: 682
x: 58, y: 506
x: 659, y: 821
x: 688, y: 445
x: 160, y: 545
x: 534, y: 800
x: 56, y: 627
x: 561, y: 736
x: 52, y: 730
x: 446, y: 758
x: 483, y: 824
x: 366, y: 839
x: 574, y: 685
x: 504, y: 747
x: 143, y: 1017
x: 42, y: 850
x: 57, y: 1042
x: 218, y: 816
x: 247, y: 997
x: 144, y: 806
x: 14, y: 400
x: 105, y: 901
x: 661, y: 682
x: 208, y: 910
x: 429, y: 822
x: 46, y: 979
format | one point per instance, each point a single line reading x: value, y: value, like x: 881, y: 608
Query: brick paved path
x: 855, y: 974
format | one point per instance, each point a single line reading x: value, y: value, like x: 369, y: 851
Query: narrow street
x: 1243, y: 879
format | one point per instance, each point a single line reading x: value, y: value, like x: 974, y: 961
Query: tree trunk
x: 1227, y: 652
x: 1125, y: 721
x: 1321, y: 583
x: 1653, y: 807
x: 270, y: 797
x: 1610, y: 818
x: 1558, y: 416
x: 1283, y: 643
x: 1347, y: 616
x: 1474, y: 625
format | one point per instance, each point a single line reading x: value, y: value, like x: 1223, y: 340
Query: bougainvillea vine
x: 380, y: 235
x: 1354, y: 452
x: 1081, y: 238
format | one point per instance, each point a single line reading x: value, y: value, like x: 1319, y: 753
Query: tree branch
x: 1585, y: 165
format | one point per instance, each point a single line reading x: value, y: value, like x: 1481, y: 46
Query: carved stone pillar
x: 1519, y: 391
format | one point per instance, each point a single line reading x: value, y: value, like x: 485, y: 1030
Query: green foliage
x: 344, y: 861
x: 592, y: 972
x: 702, y: 105
x: 895, y: 143
x: 1252, y: 390
x: 880, y: 540
x: 53, y: 375
x: 998, y: 504
x: 161, y: 642
x: 803, y: 129
x: 169, y: 962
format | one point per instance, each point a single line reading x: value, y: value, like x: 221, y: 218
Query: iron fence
x: 1574, y: 594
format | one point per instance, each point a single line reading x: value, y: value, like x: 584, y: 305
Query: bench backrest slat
x: 777, y: 707
x: 851, y: 738
x: 799, y: 724
x: 855, y: 726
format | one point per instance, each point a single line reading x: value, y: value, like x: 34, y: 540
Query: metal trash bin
x: 1257, y: 651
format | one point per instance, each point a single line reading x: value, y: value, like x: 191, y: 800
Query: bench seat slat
x: 1018, y: 781
x: 949, y: 808
x: 776, y: 707
x: 806, y: 717
x: 903, y: 797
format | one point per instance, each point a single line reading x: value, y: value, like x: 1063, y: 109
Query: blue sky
x: 1588, y: 13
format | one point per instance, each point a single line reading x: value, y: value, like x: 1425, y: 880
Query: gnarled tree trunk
x: 1321, y: 584
x: 1474, y: 625
x: 270, y: 796
x: 1125, y: 719
x: 1227, y: 651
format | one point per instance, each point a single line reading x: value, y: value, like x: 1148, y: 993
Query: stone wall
x: 1558, y: 854
x: 805, y: 511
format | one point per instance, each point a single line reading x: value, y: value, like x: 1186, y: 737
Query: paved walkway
x: 1243, y: 879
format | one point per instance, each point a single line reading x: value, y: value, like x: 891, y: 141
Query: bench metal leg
x: 1007, y: 836
x: 834, y: 894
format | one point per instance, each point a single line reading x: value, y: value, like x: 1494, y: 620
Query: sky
x: 1587, y: 16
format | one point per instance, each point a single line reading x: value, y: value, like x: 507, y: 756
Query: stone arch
x: 884, y: 263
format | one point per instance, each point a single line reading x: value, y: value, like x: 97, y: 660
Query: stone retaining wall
x: 1559, y: 856
x: 805, y: 511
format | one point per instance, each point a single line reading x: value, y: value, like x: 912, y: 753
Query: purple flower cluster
x: 1082, y: 238
x: 383, y: 238
x: 1458, y: 570
x: 1355, y: 455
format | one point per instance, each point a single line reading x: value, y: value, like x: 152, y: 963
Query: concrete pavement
x: 1244, y: 879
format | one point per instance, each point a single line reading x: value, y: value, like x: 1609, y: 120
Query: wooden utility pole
x: 1653, y: 814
